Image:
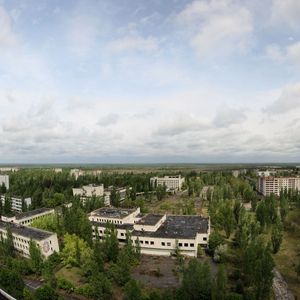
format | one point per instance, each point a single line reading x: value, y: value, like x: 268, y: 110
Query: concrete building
x: 9, y: 169
x: 267, y: 185
x: 47, y: 241
x: 4, y: 179
x: 28, y: 217
x: 235, y: 173
x: 265, y: 173
x: 170, y: 182
x: 157, y: 234
x: 16, y: 202
x: 89, y: 191
x: 78, y: 172
x: 122, y: 191
x: 57, y: 170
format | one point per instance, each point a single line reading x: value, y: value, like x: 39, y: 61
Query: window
x: 186, y: 244
x: 147, y: 242
x: 122, y: 234
x: 191, y: 245
x: 180, y: 244
x: 204, y: 239
x: 152, y: 243
x: 168, y: 244
x: 136, y: 241
x: 142, y: 242
x: 163, y: 243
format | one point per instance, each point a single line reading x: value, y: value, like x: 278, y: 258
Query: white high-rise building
x: 4, y: 179
x: 267, y: 185
x: 89, y: 191
x: 16, y: 202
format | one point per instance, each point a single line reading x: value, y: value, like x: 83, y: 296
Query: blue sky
x: 149, y: 81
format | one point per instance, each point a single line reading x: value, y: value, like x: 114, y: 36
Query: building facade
x: 28, y: 217
x: 16, y: 202
x: 267, y: 185
x: 4, y: 179
x: 45, y: 240
x: 170, y: 182
x: 157, y: 234
x: 89, y: 191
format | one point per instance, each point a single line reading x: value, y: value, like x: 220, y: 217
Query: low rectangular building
x: 28, y: 217
x: 170, y: 182
x: 89, y: 191
x: 46, y: 241
x: 157, y: 234
x: 16, y: 202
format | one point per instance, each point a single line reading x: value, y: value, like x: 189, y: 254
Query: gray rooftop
x: 185, y: 227
x: 31, y: 213
x: 29, y: 232
x: 112, y: 212
x: 117, y: 226
x: 150, y: 219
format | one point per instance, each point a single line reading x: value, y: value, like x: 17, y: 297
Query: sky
x: 149, y: 81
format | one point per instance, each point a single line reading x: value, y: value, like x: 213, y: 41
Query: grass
x: 71, y: 274
x: 289, y: 254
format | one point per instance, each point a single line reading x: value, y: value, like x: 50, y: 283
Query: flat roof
x: 118, y: 226
x: 184, y: 227
x: 31, y: 213
x: 113, y: 212
x: 149, y: 219
x: 29, y: 232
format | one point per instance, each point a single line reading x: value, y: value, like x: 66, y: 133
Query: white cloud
x: 7, y: 37
x: 108, y: 119
x: 226, y: 116
x: 289, y: 100
x: 289, y: 54
x: 134, y: 43
x: 286, y: 11
x: 217, y: 27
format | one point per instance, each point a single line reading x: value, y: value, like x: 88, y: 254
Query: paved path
x: 280, y: 287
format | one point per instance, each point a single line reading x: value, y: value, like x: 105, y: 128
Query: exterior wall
x: 171, y: 182
x: 9, y: 169
x: 29, y: 220
x: 126, y: 220
x: 4, y: 179
x: 16, y: 203
x: 269, y: 185
x: 89, y: 191
x: 21, y: 244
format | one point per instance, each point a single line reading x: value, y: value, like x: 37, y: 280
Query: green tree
x: 133, y: 290
x: 111, y: 244
x: 196, y: 282
x: 7, y: 206
x: 276, y: 236
x: 11, y: 282
x: 221, y: 283
x: 45, y: 293
x: 36, y: 259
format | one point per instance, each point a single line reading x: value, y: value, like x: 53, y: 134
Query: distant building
x: 235, y: 173
x: 170, y: 182
x: 157, y: 234
x: 122, y: 191
x: 16, y: 202
x: 4, y: 179
x: 9, y: 169
x: 57, y: 170
x: 267, y: 185
x: 89, y: 190
x: 266, y: 173
x: 78, y: 172
x: 45, y: 240
x: 28, y: 217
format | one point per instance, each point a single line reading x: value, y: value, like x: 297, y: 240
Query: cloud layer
x: 109, y: 81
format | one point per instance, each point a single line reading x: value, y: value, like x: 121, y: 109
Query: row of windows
x: 107, y: 220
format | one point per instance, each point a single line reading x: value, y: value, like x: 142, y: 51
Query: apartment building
x: 89, y: 190
x: 4, y: 179
x: 170, y: 182
x: 266, y: 173
x: 47, y: 241
x: 28, y: 217
x: 78, y: 172
x: 157, y: 234
x: 122, y: 191
x: 267, y: 185
x: 9, y: 169
x: 16, y: 202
